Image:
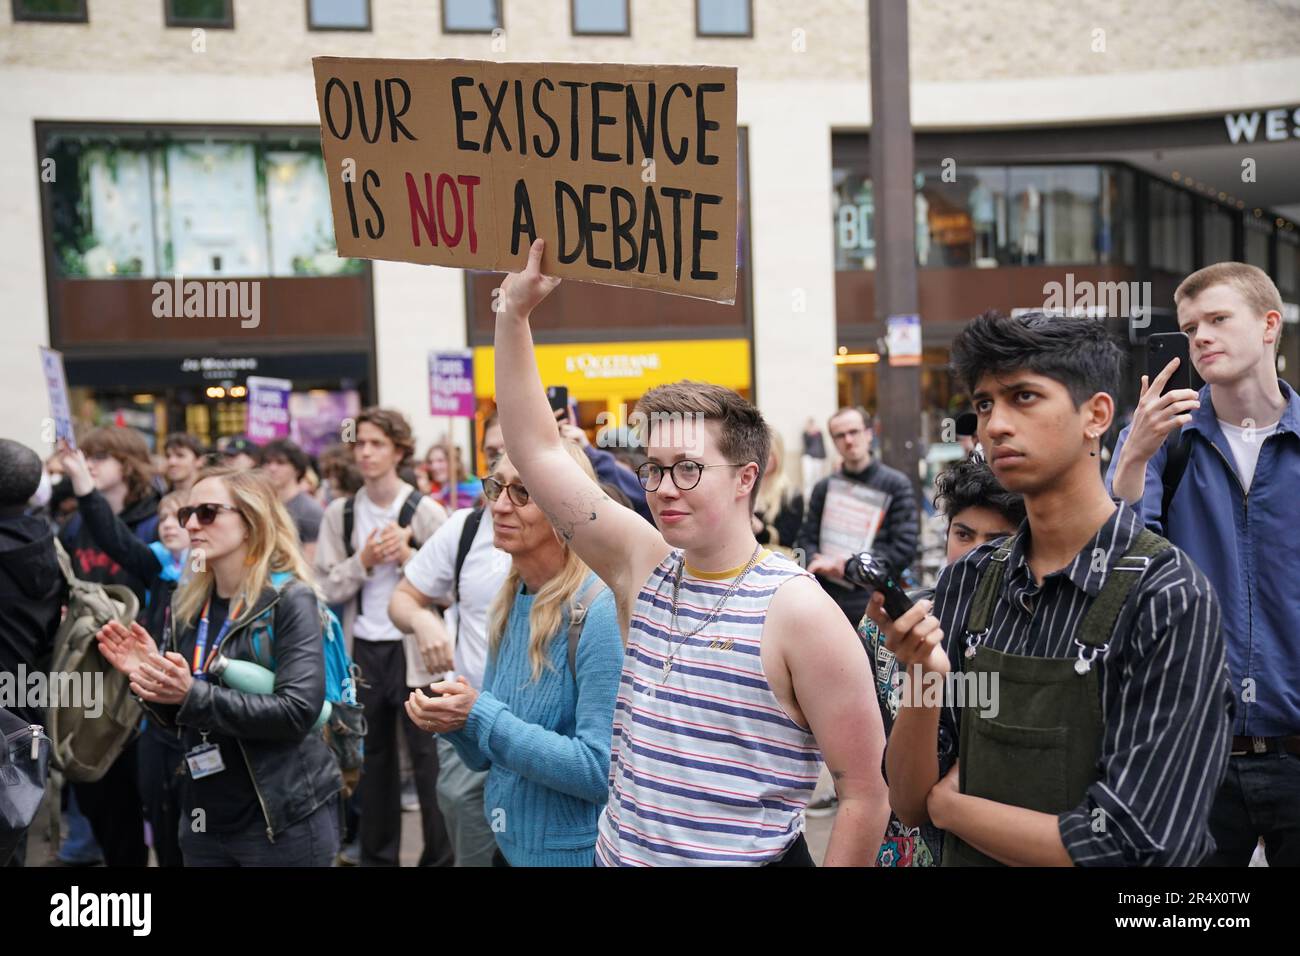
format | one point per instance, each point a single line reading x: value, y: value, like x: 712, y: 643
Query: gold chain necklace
x: 677, y: 582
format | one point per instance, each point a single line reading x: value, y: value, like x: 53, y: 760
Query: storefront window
x: 1117, y: 240
x: 1171, y: 229
x: 854, y: 221
x: 149, y: 205
x: 1258, y: 233
x: 990, y: 216
x: 1288, y: 261
x: 1216, y: 234
x: 961, y: 222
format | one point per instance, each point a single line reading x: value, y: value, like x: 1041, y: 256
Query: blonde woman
x: 778, y: 513
x: 262, y: 783
x: 542, y: 722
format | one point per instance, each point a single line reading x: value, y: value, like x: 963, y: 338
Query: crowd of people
x: 646, y: 654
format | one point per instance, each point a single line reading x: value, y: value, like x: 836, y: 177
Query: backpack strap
x: 409, y: 506
x: 349, y: 522
x: 1099, y: 622
x: 577, y: 616
x: 987, y: 588
x: 1180, y: 452
x: 467, y: 533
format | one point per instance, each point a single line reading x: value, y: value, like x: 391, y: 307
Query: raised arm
x: 614, y: 541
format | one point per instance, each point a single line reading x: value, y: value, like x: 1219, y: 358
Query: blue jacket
x: 546, y: 743
x: 1248, y: 545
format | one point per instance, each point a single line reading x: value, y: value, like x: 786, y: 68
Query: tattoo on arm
x: 578, y: 509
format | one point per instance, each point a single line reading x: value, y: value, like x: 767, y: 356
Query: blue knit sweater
x: 546, y: 742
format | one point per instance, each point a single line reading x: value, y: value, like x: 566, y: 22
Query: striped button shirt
x: 1165, y: 693
x: 706, y: 767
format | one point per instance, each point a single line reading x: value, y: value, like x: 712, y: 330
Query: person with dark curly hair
x: 979, y: 510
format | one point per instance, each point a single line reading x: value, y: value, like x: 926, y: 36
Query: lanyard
x: 201, y: 656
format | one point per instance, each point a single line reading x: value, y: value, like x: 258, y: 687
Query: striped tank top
x: 705, y: 767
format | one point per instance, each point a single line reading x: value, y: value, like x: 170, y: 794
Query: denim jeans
x: 1260, y: 797
x: 312, y: 841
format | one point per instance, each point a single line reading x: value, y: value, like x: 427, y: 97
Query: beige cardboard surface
x: 628, y: 172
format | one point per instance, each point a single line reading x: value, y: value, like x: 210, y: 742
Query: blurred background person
x: 184, y: 457
x: 286, y: 465
x: 778, y: 512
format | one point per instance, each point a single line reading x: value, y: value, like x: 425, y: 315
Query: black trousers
x: 112, y: 805
x: 382, y: 691
x: 1260, y: 797
x: 163, y: 774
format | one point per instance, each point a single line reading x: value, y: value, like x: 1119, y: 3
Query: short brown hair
x: 743, y: 432
x: 846, y: 409
x: 1254, y: 284
x: 129, y: 448
x: 393, y: 424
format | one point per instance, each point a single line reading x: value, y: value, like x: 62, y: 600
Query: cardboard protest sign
x: 628, y: 172
x: 851, y: 515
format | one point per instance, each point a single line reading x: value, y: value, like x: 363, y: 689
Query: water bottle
x: 254, y: 679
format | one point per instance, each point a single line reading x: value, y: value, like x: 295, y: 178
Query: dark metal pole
x: 898, y: 398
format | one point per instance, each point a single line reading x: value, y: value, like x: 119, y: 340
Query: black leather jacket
x: 292, y: 768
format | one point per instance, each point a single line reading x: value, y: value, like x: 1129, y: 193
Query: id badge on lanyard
x: 205, y: 759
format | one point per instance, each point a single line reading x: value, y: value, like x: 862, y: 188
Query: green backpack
x: 84, y: 747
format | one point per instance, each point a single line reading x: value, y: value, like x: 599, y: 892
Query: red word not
x: 433, y: 216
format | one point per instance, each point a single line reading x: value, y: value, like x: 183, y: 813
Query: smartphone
x: 865, y: 571
x: 1164, y: 347
x: 558, y: 396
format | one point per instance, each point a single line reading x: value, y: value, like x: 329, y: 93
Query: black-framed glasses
x: 206, y: 513
x: 686, y: 473
x: 492, y: 491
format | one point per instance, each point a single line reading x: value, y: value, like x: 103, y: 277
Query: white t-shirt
x: 1245, y: 451
x: 432, y: 570
x: 372, y: 624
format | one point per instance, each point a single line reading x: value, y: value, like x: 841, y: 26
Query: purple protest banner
x: 268, y: 409
x: 451, y: 384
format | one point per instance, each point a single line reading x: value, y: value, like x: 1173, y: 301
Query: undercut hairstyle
x: 742, y: 433
x: 184, y: 440
x: 393, y: 424
x: 129, y: 448
x: 20, y: 473
x: 970, y: 483
x: 284, y: 450
x: 1076, y: 351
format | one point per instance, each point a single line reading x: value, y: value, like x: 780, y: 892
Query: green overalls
x: 1041, y: 752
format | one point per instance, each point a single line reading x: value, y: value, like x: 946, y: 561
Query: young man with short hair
x: 364, y: 543
x: 285, y: 464
x: 895, y: 542
x: 184, y: 455
x: 1098, y: 644
x: 978, y: 510
x: 1233, y: 512
x: 739, y: 669
x: 460, y: 570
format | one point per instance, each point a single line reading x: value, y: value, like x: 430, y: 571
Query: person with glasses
x: 443, y: 600
x: 740, y: 673
x: 895, y: 541
x: 540, y: 719
x: 263, y: 784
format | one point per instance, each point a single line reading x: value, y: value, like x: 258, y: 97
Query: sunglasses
x: 206, y: 513
x: 492, y: 491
